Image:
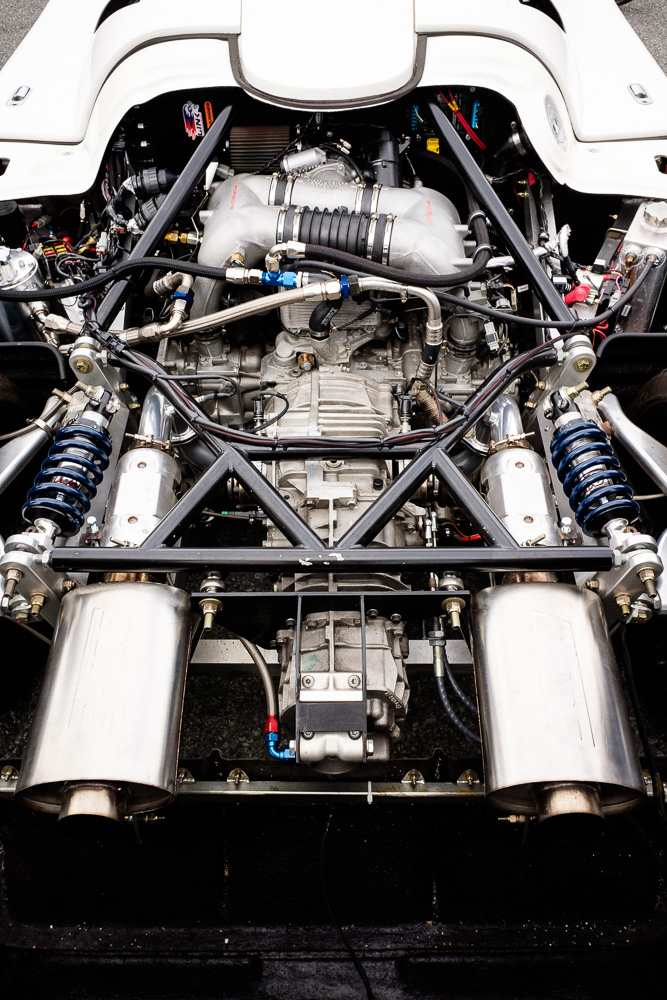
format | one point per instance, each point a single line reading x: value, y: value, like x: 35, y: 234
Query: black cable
x: 658, y: 792
x: 576, y: 324
x: 502, y: 316
x: 350, y: 260
x: 343, y: 936
x: 272, y: 420
x: 451, y: 714
x: 113, y: 274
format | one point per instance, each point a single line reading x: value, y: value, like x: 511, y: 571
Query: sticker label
x: 193, y: 119
x: 208, y: 112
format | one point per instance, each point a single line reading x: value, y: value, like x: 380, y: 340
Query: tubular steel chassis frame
x: 354, y: 551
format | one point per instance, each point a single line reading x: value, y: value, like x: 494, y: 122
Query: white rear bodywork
x: 572, y: 86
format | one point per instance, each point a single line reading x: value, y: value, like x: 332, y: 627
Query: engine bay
x: 354, y: 419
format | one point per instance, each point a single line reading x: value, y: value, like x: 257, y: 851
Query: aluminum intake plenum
x: 242, y: 220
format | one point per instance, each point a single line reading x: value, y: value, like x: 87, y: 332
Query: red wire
x: 451, y: 103
x: 462, y: 537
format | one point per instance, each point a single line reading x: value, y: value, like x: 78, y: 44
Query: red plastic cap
x: 271, y: 725
x: 578, y: 294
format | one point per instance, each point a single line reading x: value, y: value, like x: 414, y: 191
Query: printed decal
x: 193, y: 119
x: 208, y: 112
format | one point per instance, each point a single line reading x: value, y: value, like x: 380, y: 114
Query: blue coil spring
x: 592, y: 478
x: 69, y: 477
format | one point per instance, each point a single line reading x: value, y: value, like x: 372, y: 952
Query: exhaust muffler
x: 104, y: 741
x: 556, y: 735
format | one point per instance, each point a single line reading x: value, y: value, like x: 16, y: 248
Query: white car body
x: 572, y: 93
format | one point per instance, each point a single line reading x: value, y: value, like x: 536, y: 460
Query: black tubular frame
x: 502, y: 220
x: 355, y: 551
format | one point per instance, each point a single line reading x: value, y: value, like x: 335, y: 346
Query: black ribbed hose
x: 481, y: 256
x: 451, y: 714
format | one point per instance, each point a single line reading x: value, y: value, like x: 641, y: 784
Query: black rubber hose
x: 480, y: 259
x: 451, y: 714
x: 350, y: 261
x: 456, y: 687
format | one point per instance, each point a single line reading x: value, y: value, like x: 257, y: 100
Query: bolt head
x: 583, y: 365
x: 354, y: 681
x: 83, y: 366
x: 307, y: 681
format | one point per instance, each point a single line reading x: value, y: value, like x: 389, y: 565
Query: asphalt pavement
x: 647, y: 17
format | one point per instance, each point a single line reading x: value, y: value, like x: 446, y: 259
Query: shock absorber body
x: 57, y: 505
x: 604, y: 505
x: 70, y: 474
x: 592, y: 478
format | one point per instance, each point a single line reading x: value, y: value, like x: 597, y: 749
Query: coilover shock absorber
x: 71, y: 472
x: 592, y: 478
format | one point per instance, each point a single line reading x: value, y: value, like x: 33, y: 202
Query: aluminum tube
x: 556, y: 736
x: 18, y: 452
x: 105, y: 737
x: 649, y: 453
x: 384, y: 284
x: 157, y: 414
x: 502, y: 419
x: 265, y: 674
x: 309, y: 293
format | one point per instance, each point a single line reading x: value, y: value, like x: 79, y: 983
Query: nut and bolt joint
x: 647, y: 577
x: 454, y: 606
x: 209, y: 608
x: 624, y: 602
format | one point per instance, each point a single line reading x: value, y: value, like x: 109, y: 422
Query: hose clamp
x: 370, y: 239
x: 273, y: 188
x: 359, y: 197
x: 296, y: 222
x: 478, y: 214
x: 388, y: 227
x: 289, y: 187
x: 481, y: 247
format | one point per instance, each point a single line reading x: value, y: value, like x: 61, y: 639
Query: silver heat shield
x: 555, y: 730
x: 105, y: 737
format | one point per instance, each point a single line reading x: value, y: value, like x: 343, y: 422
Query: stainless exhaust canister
x: 105, y: 737
x: 556, y: 735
